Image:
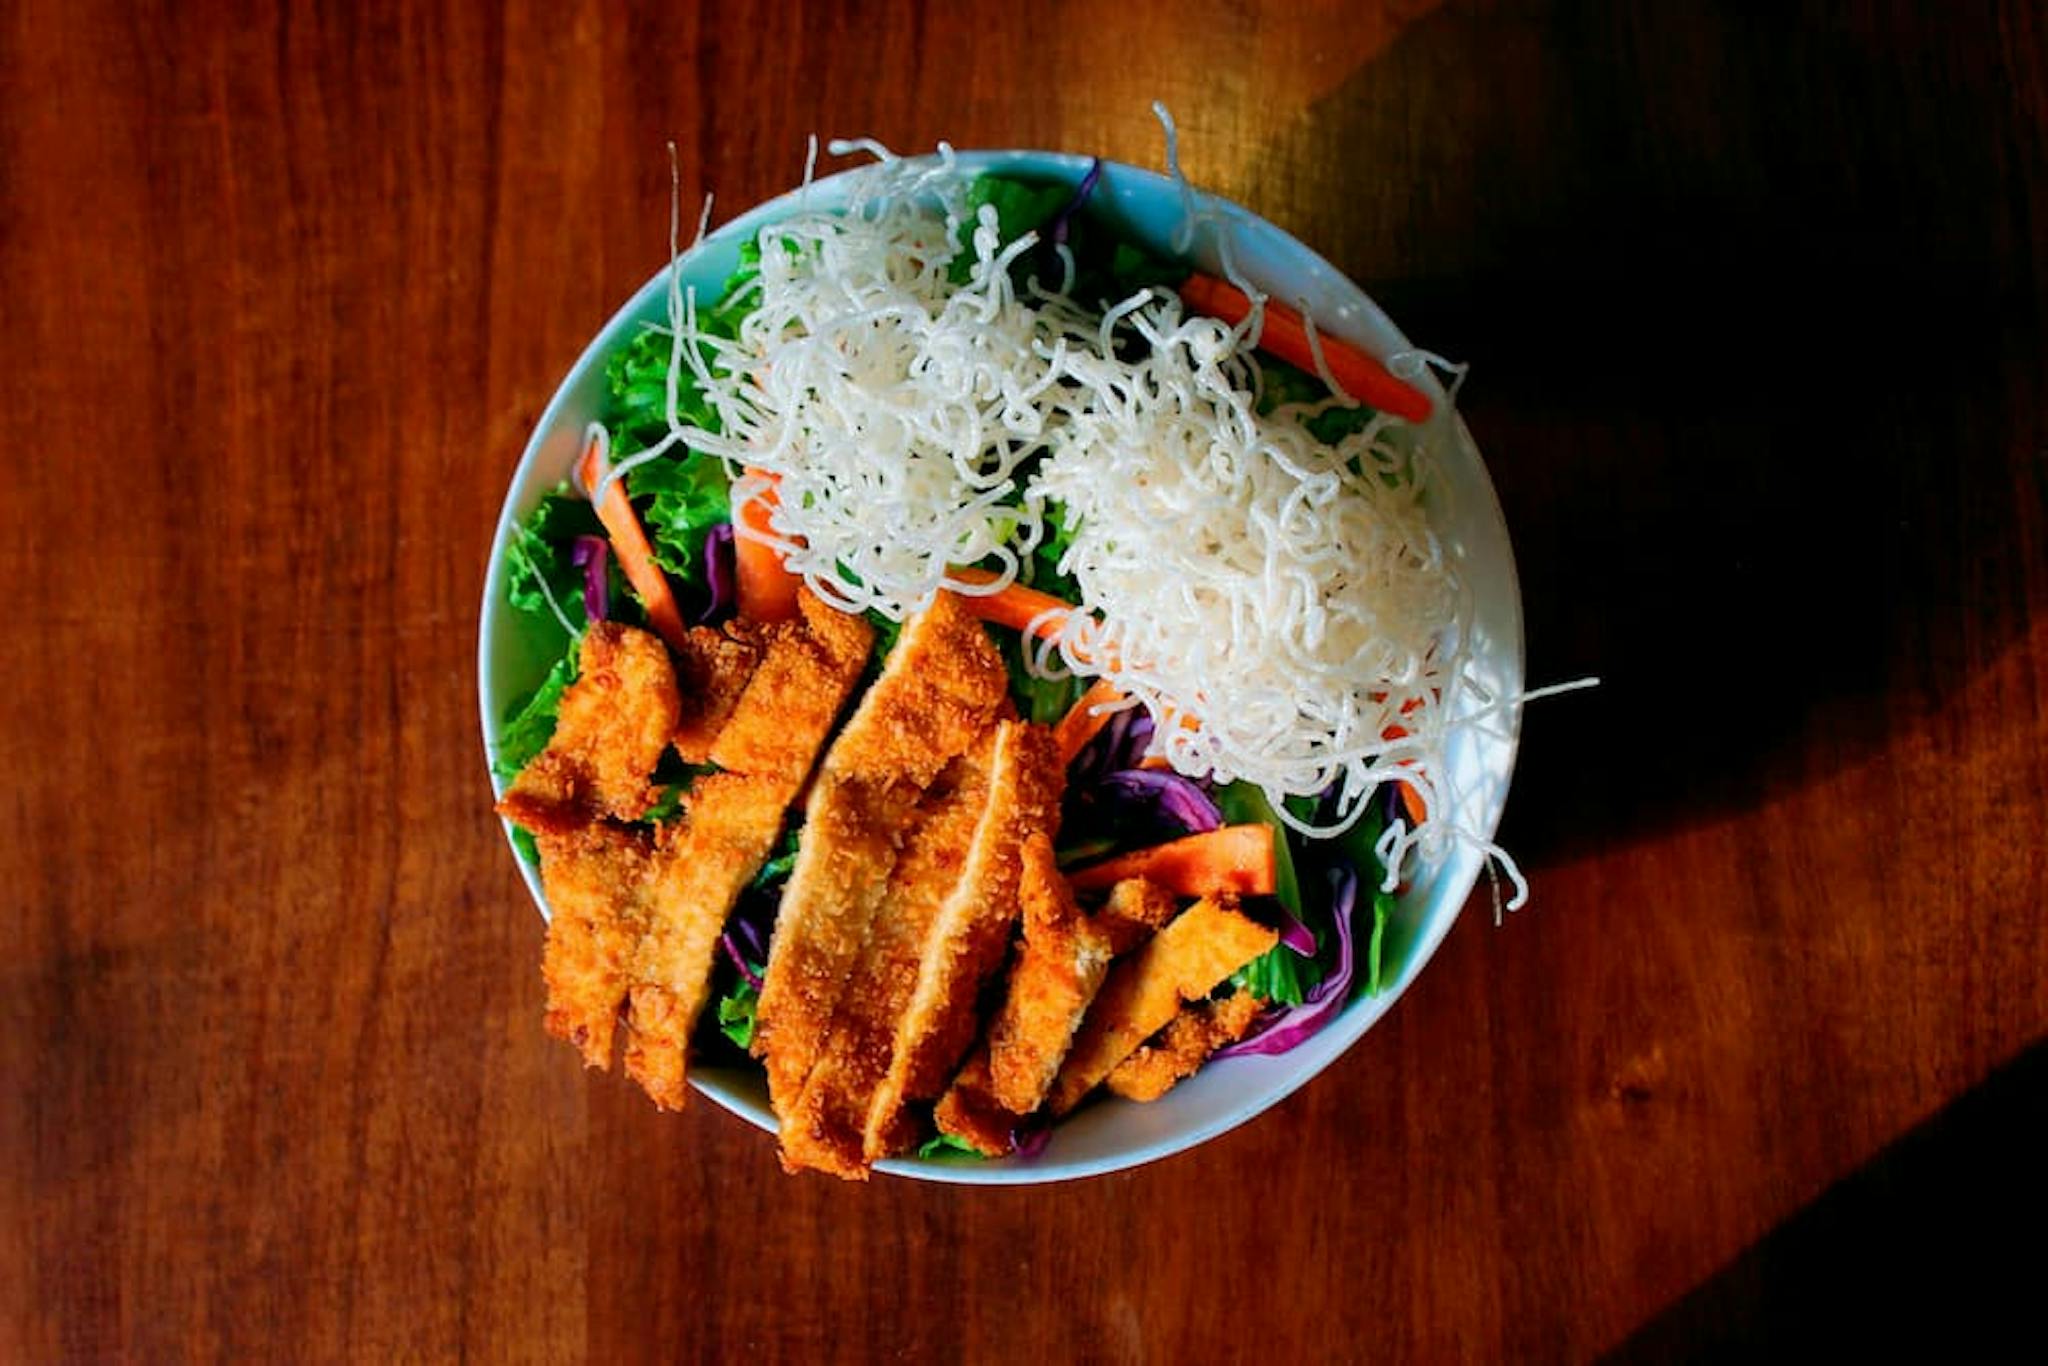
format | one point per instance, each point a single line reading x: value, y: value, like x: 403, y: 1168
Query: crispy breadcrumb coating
x: 597, y: 882
x: 730, y: 822
x: 1186, y: 961
x: 940, y: 687
x: 614, y: 721
x: 1183, y: 1046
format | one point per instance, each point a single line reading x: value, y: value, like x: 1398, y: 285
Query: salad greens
x: 681, y: 498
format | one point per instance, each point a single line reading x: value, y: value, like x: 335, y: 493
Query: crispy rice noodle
x: 1281, y: 606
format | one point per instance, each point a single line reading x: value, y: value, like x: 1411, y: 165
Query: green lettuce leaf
x: 1280, y: 974
x: 1286, y: 384
x: 945, y: 1145
x: 1021, y: 206
x: 1040, y: 700
x: 679, y: 500
x: 537, y: 558
x: 530, y: 722
x: 736, y: 1012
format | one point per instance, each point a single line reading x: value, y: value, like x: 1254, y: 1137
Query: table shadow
x: 1941, y: 1241
x: 1755, y: 332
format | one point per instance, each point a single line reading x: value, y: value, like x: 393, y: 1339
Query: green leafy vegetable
x: 668, y: 805
x: 1052, y: 546
x: 1277, y: 974
x: 736, y: 1012
x: 537, y: 557
x: 1132, y: 269
x: 945, y: 1145
x: 679, y: 499
x: 777, y: 868
x: 886, y: 632
x: 1284, y: 384
x: 1042, y: 701
x: 1021, y: 207
x: 1382, y: 911
x: 530, y: 723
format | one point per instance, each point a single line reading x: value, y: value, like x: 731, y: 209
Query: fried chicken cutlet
x: 1185, y: 961
x: 613, y: 723
x: 908, y: 1012
x: 939, y: 689
x: 731, y: 819
x: 597, y: 881
x: 713, y: 667
x: 1183, y: 1046
x: 1064, y: 960
x: 826, y: 1127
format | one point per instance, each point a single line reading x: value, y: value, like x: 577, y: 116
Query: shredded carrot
x: 1411, y: 800
x: 1237, y: 858
x: 629, y: 543
x: 1286, y: 336
x: 1085, y: 719
x: 1015, y: 606
x: 767, y: 590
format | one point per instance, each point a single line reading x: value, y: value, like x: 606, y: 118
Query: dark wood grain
x: 1756, y: 311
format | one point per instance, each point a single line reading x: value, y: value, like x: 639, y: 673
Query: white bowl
x: 1111, y: 1134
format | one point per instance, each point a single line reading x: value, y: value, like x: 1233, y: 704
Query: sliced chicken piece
x: 1062, y: 965
x: 940, y: 687
x: 712, y: 671
x: 969, y: 1113
x: 1183, y: 1046
x: 825, y: 1130
x: 729, y: 828
x: 1064, y: 960
x: 1186, y: 961
x: 597, y: 881
x: 614, y: 721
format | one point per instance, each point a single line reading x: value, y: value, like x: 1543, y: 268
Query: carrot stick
x: 629, y: 543
x: 1237, y: 858
x: 1411, y: 800
x: 1286, y: 336
x: 767, y: 590
x: 1083, y: 722
x: 1015, y: 606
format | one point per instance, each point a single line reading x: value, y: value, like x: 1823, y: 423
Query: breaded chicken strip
x: 968, y: 941
x: 826, y: 1128
x: 1062, y: 965
x: 597, y: 881
x: 940, y: 687
x: 614, y: 721
x: 712, y: 669
x: 1183, y: 1046
x: 730, y: 824
x: 794, y: 694
x: 1136, y: 907
x: 909, y: 1010
x: 969, y: 1113
x: 1183, y: 962
x: 729, y: 827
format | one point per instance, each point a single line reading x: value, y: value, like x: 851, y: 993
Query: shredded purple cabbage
x: 1057, y: 232
x: 1119, y: 745
x: 1180, y: 799
x: 718, y: 574
x: 1296, y: 935
x: 751, y: 936
x: 1029, y: 1138
x: 1281, y: 1030
x: 739, y: 960
x: 589, y: 553
x: 1137, y: 738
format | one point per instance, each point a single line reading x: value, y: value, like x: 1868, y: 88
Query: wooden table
x: 1755, y: 310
